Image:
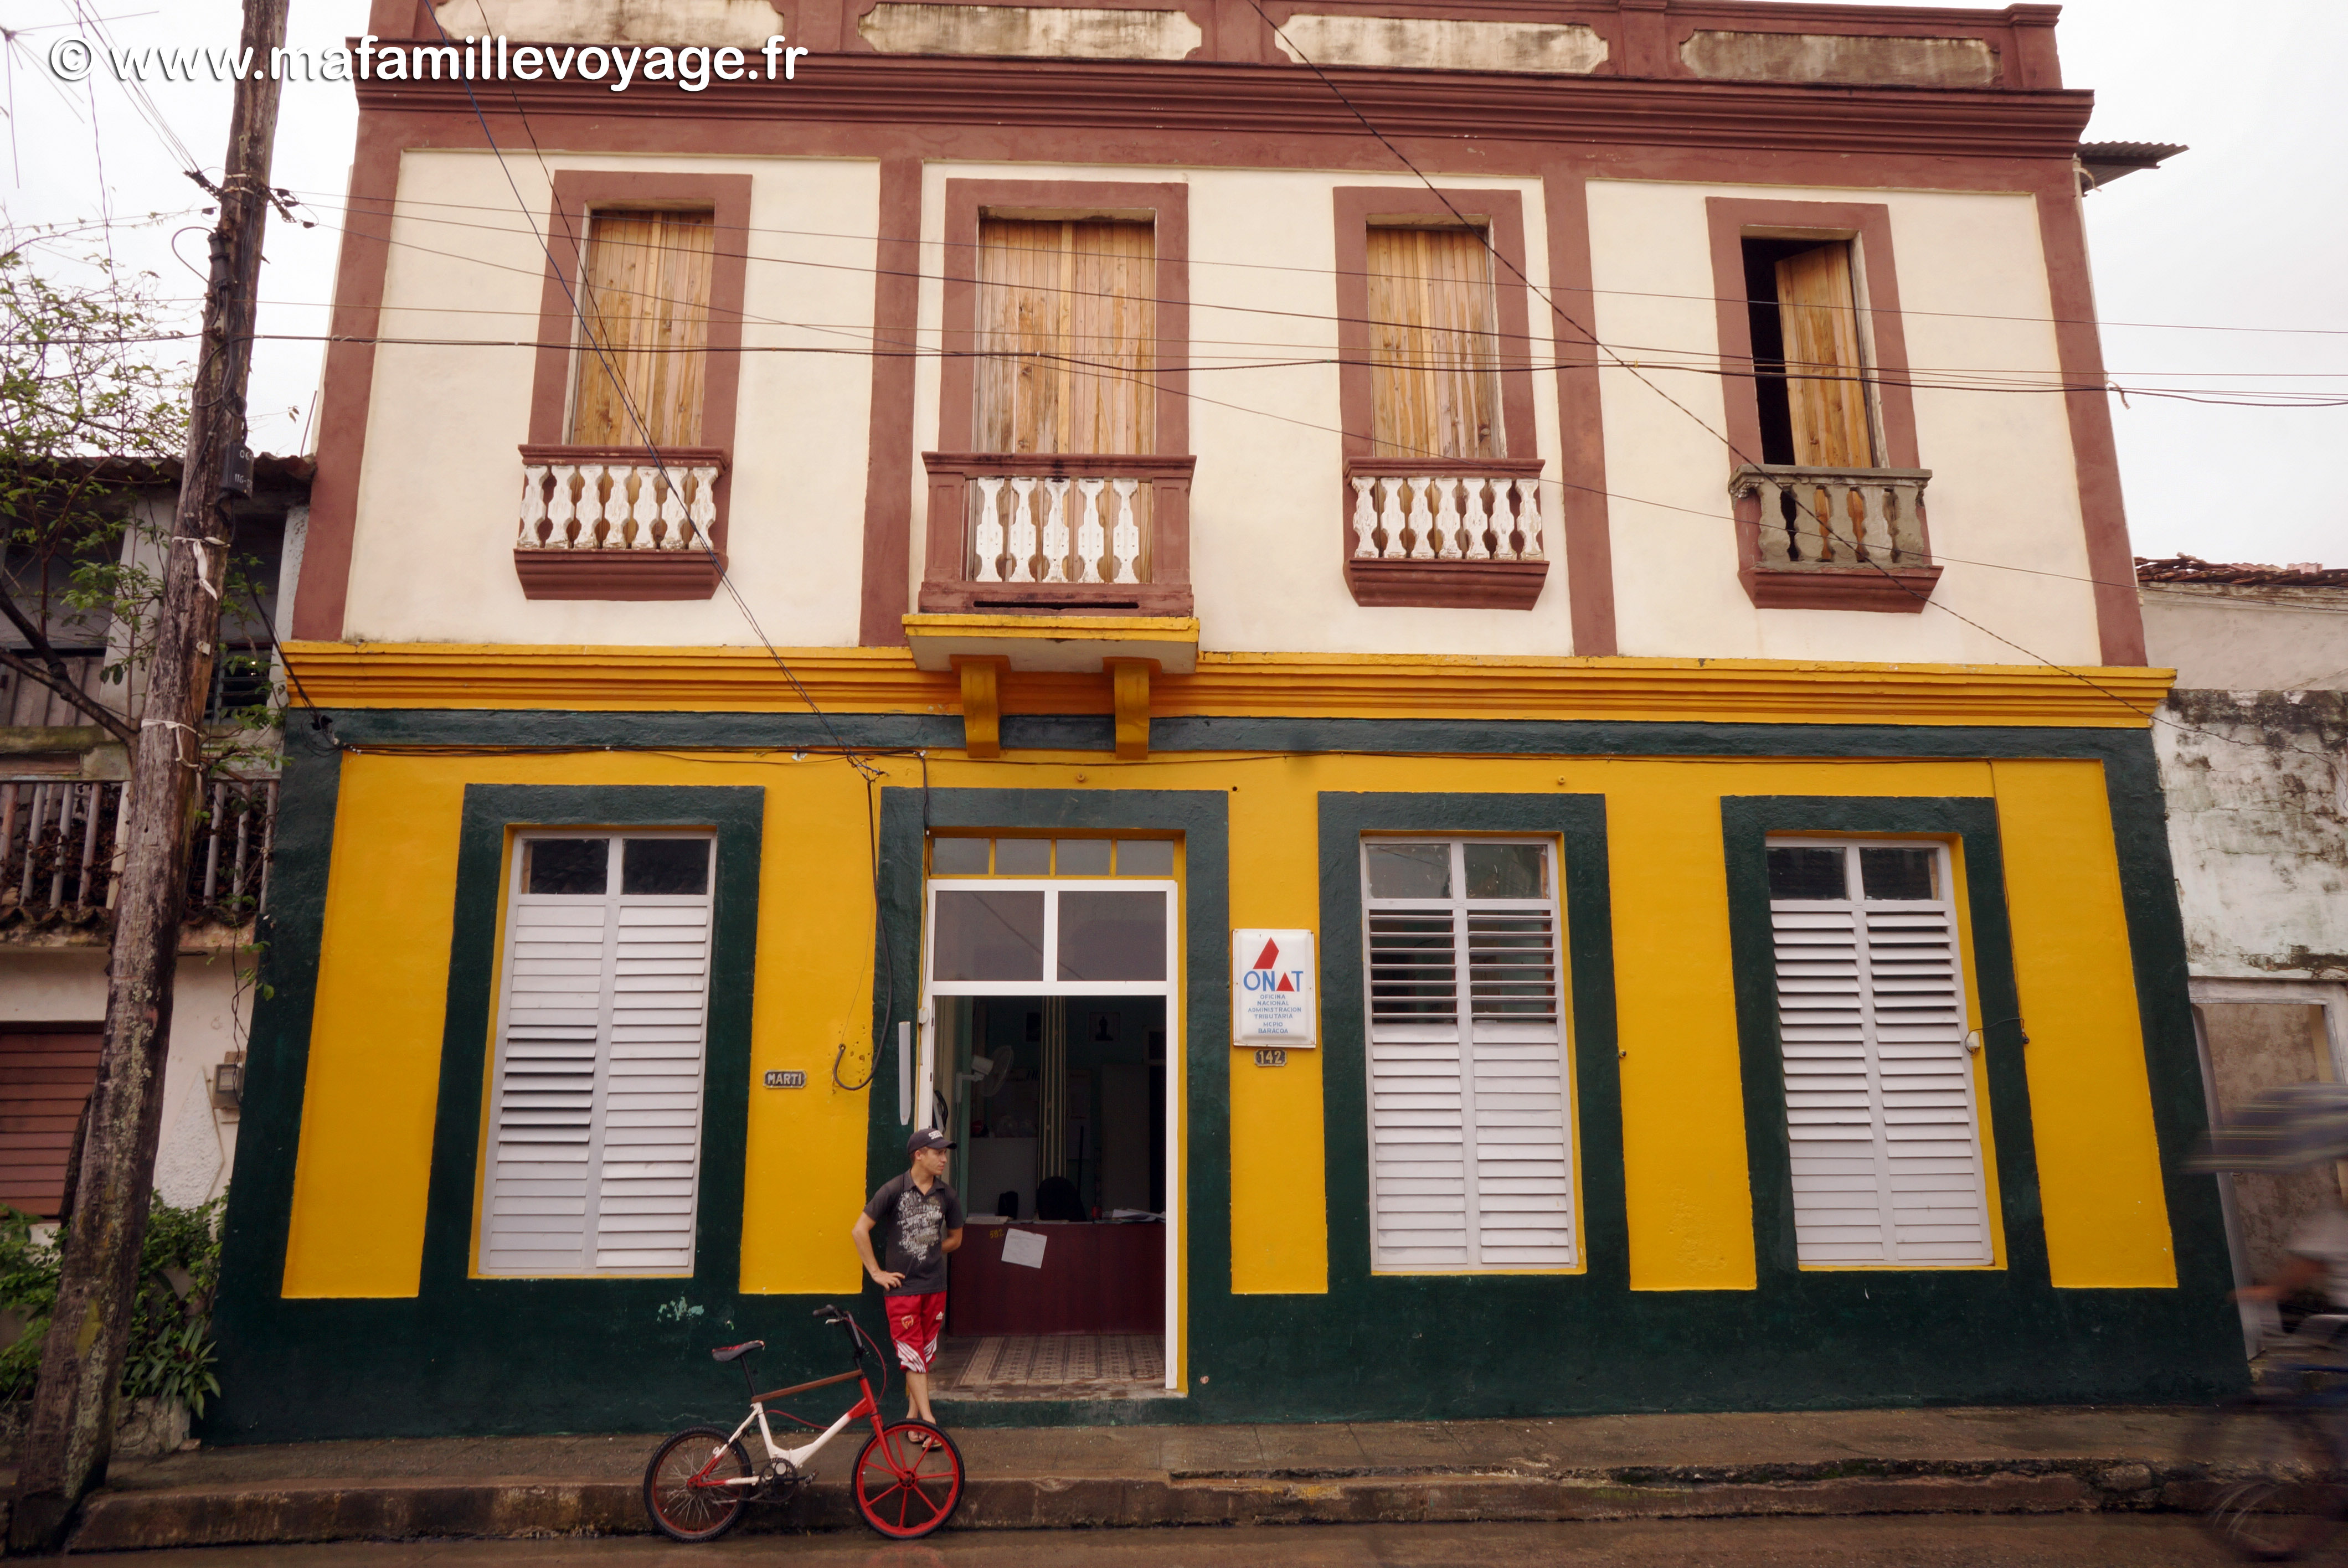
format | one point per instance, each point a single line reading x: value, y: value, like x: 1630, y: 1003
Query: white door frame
x: 1171, y: 988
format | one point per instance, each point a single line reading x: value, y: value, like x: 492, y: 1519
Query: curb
x: 351, y: 1510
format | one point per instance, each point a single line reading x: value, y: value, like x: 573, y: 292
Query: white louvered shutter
x: 1470, y: 1158
x: 595, y: 1122
x: 1881, y: 1119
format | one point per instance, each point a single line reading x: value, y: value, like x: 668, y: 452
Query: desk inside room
x: 1096, y: 1278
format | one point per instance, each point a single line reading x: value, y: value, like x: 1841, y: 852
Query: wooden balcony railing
x: 1461, y: 535
x: 1043, y: 532
x: 61, y: 851
x: 611, y: 522
x: 1841, y: 539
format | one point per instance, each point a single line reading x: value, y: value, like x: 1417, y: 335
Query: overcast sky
x: 2248, y: 230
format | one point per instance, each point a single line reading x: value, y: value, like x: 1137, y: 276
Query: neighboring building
x: 1746, y: 975
x: 2254, y: 746
x: 61, y: 802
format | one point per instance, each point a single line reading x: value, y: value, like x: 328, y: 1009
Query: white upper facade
x: 855, y: 340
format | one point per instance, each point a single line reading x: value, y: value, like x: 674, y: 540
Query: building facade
x: 63, y: 781
x: 1042, y: 521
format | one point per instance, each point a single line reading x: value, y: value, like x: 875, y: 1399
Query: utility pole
x: 71, y: 1434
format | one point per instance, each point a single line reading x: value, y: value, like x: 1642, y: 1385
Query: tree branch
x: 52, y: 673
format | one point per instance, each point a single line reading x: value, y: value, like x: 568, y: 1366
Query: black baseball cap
x: 926, y: 1138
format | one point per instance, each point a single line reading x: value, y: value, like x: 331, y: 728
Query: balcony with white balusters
x: 1058, y: 533
x: 621, y: 522
x: 1468, y: 538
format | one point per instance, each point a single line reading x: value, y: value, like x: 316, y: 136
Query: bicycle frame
x: 780, y: 1458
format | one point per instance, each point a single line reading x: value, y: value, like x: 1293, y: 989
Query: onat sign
x: 1272, y: 998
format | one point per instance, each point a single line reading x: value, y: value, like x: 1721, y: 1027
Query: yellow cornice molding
x: 1297, y: 685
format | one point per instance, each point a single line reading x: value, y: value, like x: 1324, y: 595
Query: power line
x: 1460, y: 361
x: 1496, y: 335
x: 395, y: 203
x: 620, y: 386
x: 1596, y: 345
x: 1864, y: 555
x: 1558, y: 482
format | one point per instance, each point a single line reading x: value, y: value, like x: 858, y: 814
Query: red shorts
x: 914, y: 1323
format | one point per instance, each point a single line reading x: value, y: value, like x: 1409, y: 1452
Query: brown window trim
x: 1434, y: 585
x: 637, y: 574
x: 1168, y: 207
x: 1867, y: 226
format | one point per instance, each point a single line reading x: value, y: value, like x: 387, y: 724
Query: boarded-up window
x: 643, y: 309
x: 1880, y: 1109
x: 1809, y: 371
x: 596, y: 1113
x: 45, y: 1078
x: 1471, y: 1159
x: 1435, y: 379
x: 1067, y: 329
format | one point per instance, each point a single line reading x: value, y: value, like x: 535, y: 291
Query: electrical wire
x: 1637, y: 370
x: 620, y: 386
x: 1863, y: 556
x: 397, y: 203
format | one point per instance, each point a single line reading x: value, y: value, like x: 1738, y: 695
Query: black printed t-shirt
x: 911, y: 1226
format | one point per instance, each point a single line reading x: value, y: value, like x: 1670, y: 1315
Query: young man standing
x: 920, y: 1221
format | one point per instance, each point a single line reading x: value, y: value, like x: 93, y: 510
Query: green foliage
x: 170, y: 1353
x: 28, y: 1292
x: 93, y: 405
x: 83, y: 401
x: 175, y: 1365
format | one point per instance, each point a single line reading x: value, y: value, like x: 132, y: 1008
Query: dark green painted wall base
x: 618, y: 1356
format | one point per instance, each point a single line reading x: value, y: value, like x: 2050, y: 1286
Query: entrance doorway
x: 1049, y: 1006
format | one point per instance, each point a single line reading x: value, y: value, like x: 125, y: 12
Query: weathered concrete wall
x: 2258, y: 825
x: 2221, y: 638
x: 1419, y: 43
x: 1841, y: 58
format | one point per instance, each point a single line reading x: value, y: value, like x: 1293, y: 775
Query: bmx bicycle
x: 2272, y: 1460
x: 907, y: 1480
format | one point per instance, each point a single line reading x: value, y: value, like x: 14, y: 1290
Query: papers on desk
x: 1024, y: 1248
x: 1134, y: 1214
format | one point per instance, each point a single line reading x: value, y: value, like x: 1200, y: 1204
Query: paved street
x: 2058, y: 1541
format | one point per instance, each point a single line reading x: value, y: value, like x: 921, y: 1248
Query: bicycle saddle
x: 735, y: 1352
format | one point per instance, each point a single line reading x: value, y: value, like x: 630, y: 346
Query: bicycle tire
x: 692, y: 1514
x: 908, y: 1481
x: 2270, y: 1477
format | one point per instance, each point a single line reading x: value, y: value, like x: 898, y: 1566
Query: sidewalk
x: 1606, y: 1467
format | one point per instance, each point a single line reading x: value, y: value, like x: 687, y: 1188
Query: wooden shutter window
x: 643, y: 309
x: 1435, y: 381
x: 1471, y: 1164
x: 1879, y: 1108
x: 45, y: 1081
x: 595, y: 1116
x: 1067, y: 329
x: 1818, y: 310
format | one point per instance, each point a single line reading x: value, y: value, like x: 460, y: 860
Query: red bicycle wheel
x: 687, y: 1485
x: 908, y: 1480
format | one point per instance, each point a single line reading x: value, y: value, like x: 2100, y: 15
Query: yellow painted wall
x: 363, y: 1168
x: 2100, y: 1174
x: 1278, y: 1243
x: 363, y: 1164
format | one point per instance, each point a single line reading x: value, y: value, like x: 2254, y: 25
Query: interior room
x: 1058, y: 1107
